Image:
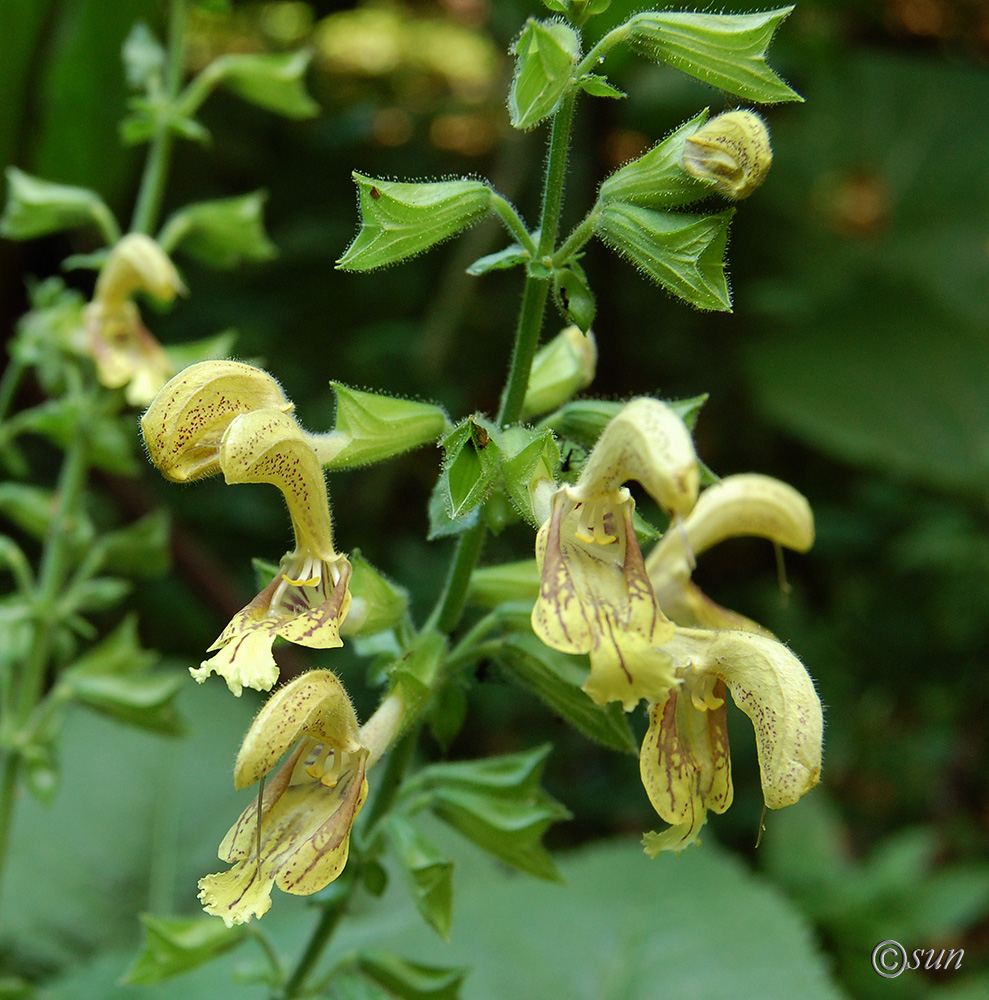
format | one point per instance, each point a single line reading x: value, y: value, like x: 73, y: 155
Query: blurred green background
x: 855, y: 366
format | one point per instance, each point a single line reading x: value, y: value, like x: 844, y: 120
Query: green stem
x: 9, y: 383
x: 8, y: 785
x: 51, y: 575
x: 152, y: 189
x: 390, y: 781
x: 333, y: 910
x: 581, y: 234
x: 513, y: 223
x: 595, y: 57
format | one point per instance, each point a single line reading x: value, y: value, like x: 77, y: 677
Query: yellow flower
x: 685, y: 763
x: 301, y: 839
x: 595, y: 596
x: 126, y: 354
x: 309, y: 598
x: 740, y: 505
x: 184, y: 425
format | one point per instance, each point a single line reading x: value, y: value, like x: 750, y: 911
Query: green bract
x: 545, y: 54
x: 270, y: 81
x: 684, y: 253
x: 36, y: 207
x: 222, y: 232
x: 724, y: 50
x: 657, y: 179
x: 370, y: 427
x: 400, y: 220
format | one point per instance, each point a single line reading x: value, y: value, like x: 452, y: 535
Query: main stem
x: 527, y: 332
x: 450, y: 606
x: 152, y: 189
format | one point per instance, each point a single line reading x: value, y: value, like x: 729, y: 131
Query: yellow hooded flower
x: 309, y: 598
x: 595, y: 596
x: 740, y: 505
x: 301, y: 839
x: 126, y: 354
x: 685, y: 763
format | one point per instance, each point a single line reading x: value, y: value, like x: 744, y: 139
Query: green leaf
x: 466, y: 476
x: 400, y: 220
x: 573, y: 295
x: 370, y: 427
x: 556, y: 678
x: 502, y: 260
x: 115, y: 678
x: 144, y: 58
x: 441, y: 524
x: 598, y: 86
x: 684, y: 253
x: 173, y: 946
x: 560, y: 6
x: 140, y: 548
x: 448, y: 712
x: 31, y: 508
x: 272, y: 81
x: 119, y: 653
x: 98, y: 593
x: 221, y: 233
x: 428, y: 874
x: 36, y: 207
x: 378, y: 603
x: 724, y: 50
x: 497, y: 803
x: 545, y: 55
x: 410, y: 980
x: 111, y: 441
x: 657, y: 179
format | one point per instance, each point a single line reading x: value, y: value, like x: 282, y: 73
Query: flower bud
x: 137, y: 264
x: 560, y: 369
x: 185, y: 422
x: 731, y: 151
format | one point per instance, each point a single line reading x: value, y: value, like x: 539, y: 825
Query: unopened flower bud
x: 732, y: 152
x: 185, y: 422
x: 560, y: 369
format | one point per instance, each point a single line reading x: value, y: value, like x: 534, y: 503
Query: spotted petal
x: 685, y: 765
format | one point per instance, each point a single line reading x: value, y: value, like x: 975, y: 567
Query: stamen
x: 332, y: 776
x: 316, y: 764
x: 762, y: 824
x: 596, y: 516
x: 785, y: 587
x: 702, y: 694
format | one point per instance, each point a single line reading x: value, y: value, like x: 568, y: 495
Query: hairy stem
x: 156, y: 166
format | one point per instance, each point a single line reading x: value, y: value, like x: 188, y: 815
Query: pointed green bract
x: 272, y: 81
x: 545, y: 54
x: 221, y: 233
x: 657, y: 178
x: 400, y: 220
x: 683, y: 253
x: 36, y: 207
x: 727, y: 51
x: 372, y: 427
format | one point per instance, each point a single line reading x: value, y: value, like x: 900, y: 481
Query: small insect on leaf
x: 375, y: 193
